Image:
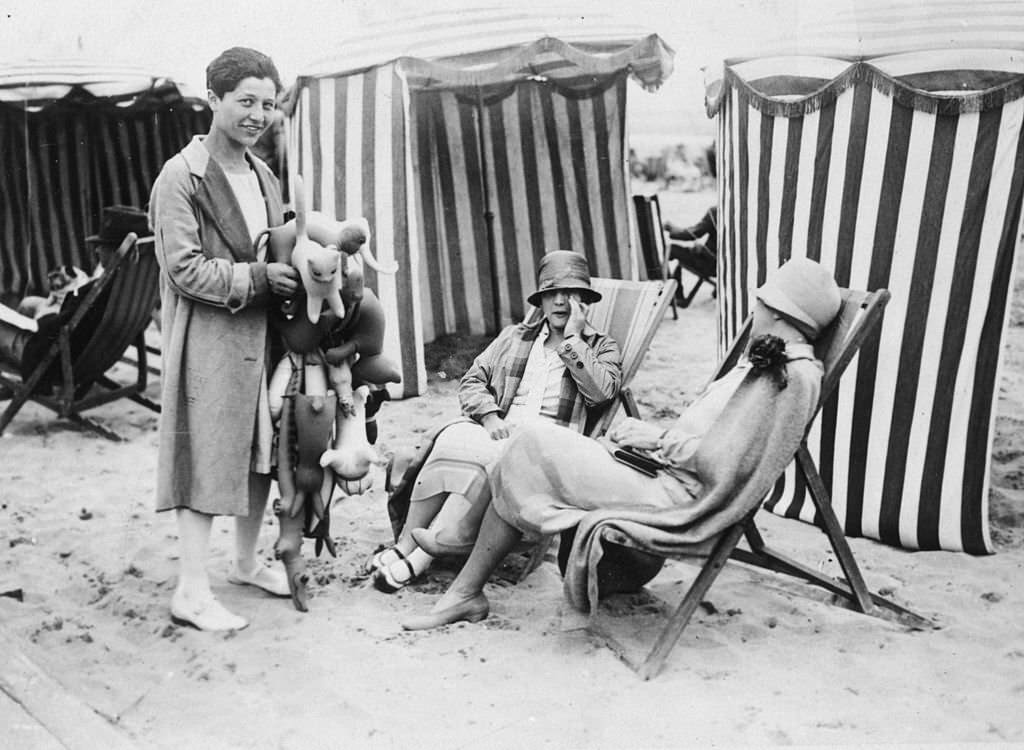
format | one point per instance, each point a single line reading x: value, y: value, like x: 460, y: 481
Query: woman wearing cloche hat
x: 557, y: 370
x: 702, y: 474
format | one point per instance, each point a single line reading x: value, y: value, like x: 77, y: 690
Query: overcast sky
x: 178, y: 37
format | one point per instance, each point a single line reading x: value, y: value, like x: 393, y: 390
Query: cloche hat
x: 805, y: 292
x: 564, y: 269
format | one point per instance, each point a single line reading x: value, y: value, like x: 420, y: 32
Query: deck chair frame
x: 654, y: 298
x: 132, y: 279
x: 653, y: 249
x: 859, y: 319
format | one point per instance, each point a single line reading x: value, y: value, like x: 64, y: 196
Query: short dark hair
x: 233, y: 65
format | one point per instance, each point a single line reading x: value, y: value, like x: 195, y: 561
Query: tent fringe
x: 863, y: 72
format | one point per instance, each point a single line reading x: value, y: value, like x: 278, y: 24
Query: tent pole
x: 488, y: 213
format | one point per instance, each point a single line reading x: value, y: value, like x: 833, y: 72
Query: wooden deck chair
x: 859, y: 318
x: 112, y: 316
x: 652, y: 244
x: 629, y: 312
x: 657, y: 252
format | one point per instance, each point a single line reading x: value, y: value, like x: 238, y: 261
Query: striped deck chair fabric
x: 629, y: 312
x: 124, y: 296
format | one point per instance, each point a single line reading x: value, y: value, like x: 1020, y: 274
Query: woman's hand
x: 633, y: 433
x: 577, y: 317
x: 496, y: 427
x: 283, y: 279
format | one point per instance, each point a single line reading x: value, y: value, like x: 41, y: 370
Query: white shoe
x: 205, y: 613
x: 272, y: 580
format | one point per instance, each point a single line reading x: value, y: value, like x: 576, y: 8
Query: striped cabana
x: 392, y: 129
x: 887, y: 143
x: 75, y: 137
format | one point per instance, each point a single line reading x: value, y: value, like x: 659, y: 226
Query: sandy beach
x: 88, y: 569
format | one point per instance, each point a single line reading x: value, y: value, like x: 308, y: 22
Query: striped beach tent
x: 474, y: 141
x: 886, y: 141
x: 77, y: 136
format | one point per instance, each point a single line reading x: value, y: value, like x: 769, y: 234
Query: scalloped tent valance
x: 37, y: 85
x: 491, y: 46
x: 938, y: 83
x: 473, y: 140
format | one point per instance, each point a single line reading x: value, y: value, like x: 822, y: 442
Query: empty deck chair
x: 71, y: 376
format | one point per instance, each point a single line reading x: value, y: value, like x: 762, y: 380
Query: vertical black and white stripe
x: 390, y: 129
x: 891, y: 186
x: 63, y: 164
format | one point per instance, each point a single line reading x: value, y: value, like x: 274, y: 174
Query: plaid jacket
x: 593, y: 374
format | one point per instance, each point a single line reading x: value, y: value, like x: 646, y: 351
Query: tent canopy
x: 473, y: 141
x: 79, y: 135
x: 487, y: 46
x: 887, y: 141
x: 33, y: 85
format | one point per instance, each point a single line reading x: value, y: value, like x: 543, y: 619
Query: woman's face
x: 556, y: 308
x: 243, y: 114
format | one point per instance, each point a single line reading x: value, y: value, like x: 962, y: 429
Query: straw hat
x: 805, y: 292
x: 563, y: 269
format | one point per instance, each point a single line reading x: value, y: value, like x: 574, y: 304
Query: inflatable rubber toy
x: 362, y: 332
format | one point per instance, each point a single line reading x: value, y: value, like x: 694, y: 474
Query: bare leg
x: 249, y: 570
x: 193, y: 603
x: 496, y: 539
x: 400, y: 564
x: 247, y: 528
x: 194, y: 541
x: 421, y: 513
x: 467, y: 526
x: 464, y: 599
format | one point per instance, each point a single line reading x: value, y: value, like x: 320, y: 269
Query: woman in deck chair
x: 744, y: 427
x: 558, y: 370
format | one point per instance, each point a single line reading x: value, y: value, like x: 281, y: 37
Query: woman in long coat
x: 208, y: 204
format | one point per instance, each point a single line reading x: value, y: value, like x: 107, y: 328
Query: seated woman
x: 728, y: 446
x: 559, y: 370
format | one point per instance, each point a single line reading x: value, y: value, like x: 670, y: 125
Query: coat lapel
x: 217, y: 202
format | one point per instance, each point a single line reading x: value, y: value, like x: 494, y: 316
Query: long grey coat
x: 214, y: 295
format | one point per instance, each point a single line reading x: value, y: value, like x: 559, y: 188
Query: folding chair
x: 119, y: 303
x: 652, y: 244
x: 859, y: 318
x: 657, y: 252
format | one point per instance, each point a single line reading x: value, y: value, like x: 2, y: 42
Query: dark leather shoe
x: 428, y: 541
x: 473, y: 609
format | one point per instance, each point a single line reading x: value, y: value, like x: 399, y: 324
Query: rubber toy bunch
x: 325, y: 390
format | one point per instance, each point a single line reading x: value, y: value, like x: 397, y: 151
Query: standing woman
x: 208, y: 204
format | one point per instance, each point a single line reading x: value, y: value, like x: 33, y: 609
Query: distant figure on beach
x: 208, y: 204
x: 559, y: 370
x: 700, y: 255
x: 734, y: 438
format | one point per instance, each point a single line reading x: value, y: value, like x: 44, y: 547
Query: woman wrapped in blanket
x: 559, y: 370
x: 722, y: 454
